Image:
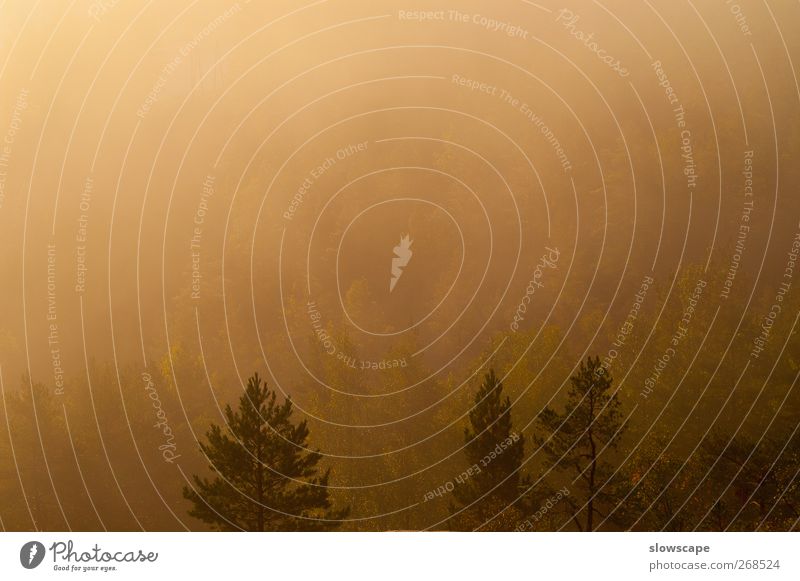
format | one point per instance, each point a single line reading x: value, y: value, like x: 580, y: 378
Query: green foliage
x: 656, y: 489
x: 750, y: 485
x: 267, y: 479
x: 575, y: 439
x: 495, y: 451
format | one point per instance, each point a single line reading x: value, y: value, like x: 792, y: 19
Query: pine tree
x: 266, y: 479
x: 492, y: 483
x: 573, y: 441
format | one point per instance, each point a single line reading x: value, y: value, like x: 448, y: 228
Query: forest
x: 358, y: 266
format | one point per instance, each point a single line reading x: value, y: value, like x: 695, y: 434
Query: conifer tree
x: 266, y: 480
x: 492, y: 482
x: 574, y: 439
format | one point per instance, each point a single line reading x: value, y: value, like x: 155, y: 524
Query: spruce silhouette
x: 266, y: 479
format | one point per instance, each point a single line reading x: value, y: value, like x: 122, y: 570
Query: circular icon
x: 31, y: 554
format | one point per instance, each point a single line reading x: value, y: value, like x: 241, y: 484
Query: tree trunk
x: 590, y: 517
x: 260, y: 491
